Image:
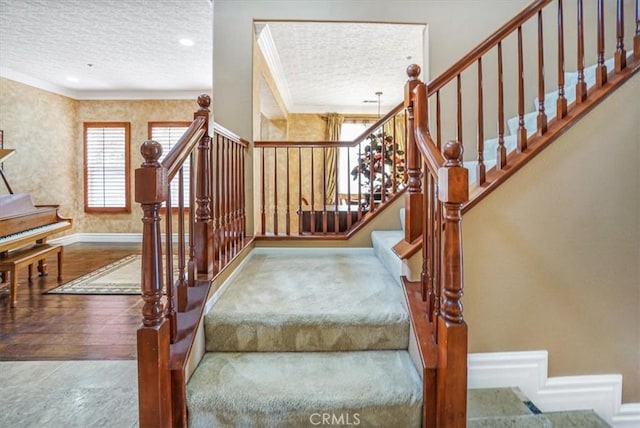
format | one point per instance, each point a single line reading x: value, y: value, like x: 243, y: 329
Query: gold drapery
x: 334, y: 126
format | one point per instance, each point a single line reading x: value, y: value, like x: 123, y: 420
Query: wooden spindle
x: 349, y: 220
x: 300, y: 190
x: 324, y: 190
x: 459, y: 107
x: 191, y: 266
x: 181, y: 288
x: 581, y: 85
x: 501, y: 150
x: 561, y: 101
x: 481, y: 168
x: 217, y: 225
x: 263, y: 214
x: 601, y: 69
x: 154, y: 376
x: 542, y: 115
x: 620, y: 57
x: 275, y: 191
x: 636, y: 38
x: 170, y: 308
x: 438, y: 122
x: 288, y: 208
x: 522, y: 131
x: 427, y: 242
x: 336, y: 213
x: 313, y: 195
x: 359, y: 182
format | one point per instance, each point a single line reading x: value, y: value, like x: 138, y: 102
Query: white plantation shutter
x: 168, y: 134
x: 106, y: 167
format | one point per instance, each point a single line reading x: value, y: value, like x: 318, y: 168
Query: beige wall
x: 551, y: 257
x: 46, y: 131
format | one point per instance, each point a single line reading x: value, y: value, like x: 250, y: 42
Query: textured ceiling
x: 317, y: 65
x: 133, y: 46
x: 134, y: 51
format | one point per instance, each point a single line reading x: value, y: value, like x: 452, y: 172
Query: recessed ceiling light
x: 73, y: 79
x: 186, y: 42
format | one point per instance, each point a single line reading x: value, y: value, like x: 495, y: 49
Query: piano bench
x: 21, y: 258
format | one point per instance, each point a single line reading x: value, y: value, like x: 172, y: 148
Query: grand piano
x: 21, y: 222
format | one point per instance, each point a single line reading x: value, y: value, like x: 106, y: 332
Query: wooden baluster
x: 154, y: 376
x: 232, y: 191
x: 359, y: 182
x: 561, y: 102
x: 383, y: 148
x: 299, y: 190
x: 324, y: 190
x: 275, y: 191
x: 581, y: 85
x: 481, y: 168
x: 437, y: 253
x: 349, y: 219
x: 203, y: 228
x: 452, y: 330
x: 288, y: 210
x: 459, y: 107
x: 263, y: 214
x: 427, y: 243
x: 522, y: 131
x: 636, y: 38
x: 394, y: 166
x: 336, y: 214
x: 191, y: 268
x: 217, y: 203
x: 313, y: 195
x: 601, y: 69
x: 372, y: 175
x: 413, y: 196
x: 181, y: 288
x: 227, y: 196
x: 620, y: 57
x: 243, y: 214
x: 542, y: 115
x: 170, y: 309
x: 438, y: 122
x: 501, y: 150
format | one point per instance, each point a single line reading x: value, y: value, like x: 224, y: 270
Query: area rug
x: 119, y: 277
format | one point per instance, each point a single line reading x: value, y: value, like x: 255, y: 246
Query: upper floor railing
x: 329, y: 188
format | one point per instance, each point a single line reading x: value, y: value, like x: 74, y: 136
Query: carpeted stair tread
x: 491, y: 402
x: 576, y: 419
x: 374, y: 388
x: 517, y: 421
x: 309, y: 300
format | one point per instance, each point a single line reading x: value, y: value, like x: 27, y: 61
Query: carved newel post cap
x: 204, y: 101
x: 413, y: 71
x: 151, y: 152
x: 452, y: 152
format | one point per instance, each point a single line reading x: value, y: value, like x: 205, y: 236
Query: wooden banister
x: 445, y: 193
x: 173, y: 290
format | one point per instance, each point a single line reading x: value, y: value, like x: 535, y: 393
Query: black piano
x: 21, y: 222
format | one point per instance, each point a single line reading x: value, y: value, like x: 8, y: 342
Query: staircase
x: 305, y: 337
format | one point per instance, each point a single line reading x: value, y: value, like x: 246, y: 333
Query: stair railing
x: 174, y: 294
x: 299, y: 183
x: 438, y: 190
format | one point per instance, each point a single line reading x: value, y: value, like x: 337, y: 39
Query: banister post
x: 203, y: 227
x: 451, y: 402
x: 154, y: 377
x: 413, y: 197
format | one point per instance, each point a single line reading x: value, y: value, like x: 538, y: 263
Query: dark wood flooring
x: 70, y: 327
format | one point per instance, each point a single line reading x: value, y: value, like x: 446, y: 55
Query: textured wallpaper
x: 46, y: 131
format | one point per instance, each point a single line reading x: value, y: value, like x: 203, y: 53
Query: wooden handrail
x: 177, y: 156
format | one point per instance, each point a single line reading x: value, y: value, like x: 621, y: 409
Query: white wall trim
x: 121, y: 238
x: 528, y: 371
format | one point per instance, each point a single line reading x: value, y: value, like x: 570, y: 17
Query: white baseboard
x: 119, y: 238
x: 528, y: 371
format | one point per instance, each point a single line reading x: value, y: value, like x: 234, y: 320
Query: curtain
x: 334, y: 126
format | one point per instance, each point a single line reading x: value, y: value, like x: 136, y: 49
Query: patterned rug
x: 119, y: 277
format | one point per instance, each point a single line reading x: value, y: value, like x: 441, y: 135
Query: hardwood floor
x: 70, y: 327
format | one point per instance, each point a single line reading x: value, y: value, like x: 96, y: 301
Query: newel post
x: 154, y: 378
x: 451, y: 407
x: 203, y: 228
x: 413, y: 197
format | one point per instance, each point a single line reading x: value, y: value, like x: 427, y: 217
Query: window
x: 348, y: 157
x: 168, y: 134
x: 106, y: 167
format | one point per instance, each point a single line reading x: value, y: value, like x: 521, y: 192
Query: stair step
x: 309, y: 300
x: 294, y: 389
x: 576, y: 419
x: 383, y: 242
x: 519, y: 421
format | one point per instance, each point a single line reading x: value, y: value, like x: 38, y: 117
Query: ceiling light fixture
x: 187, y: 42
x: 378, y: 95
